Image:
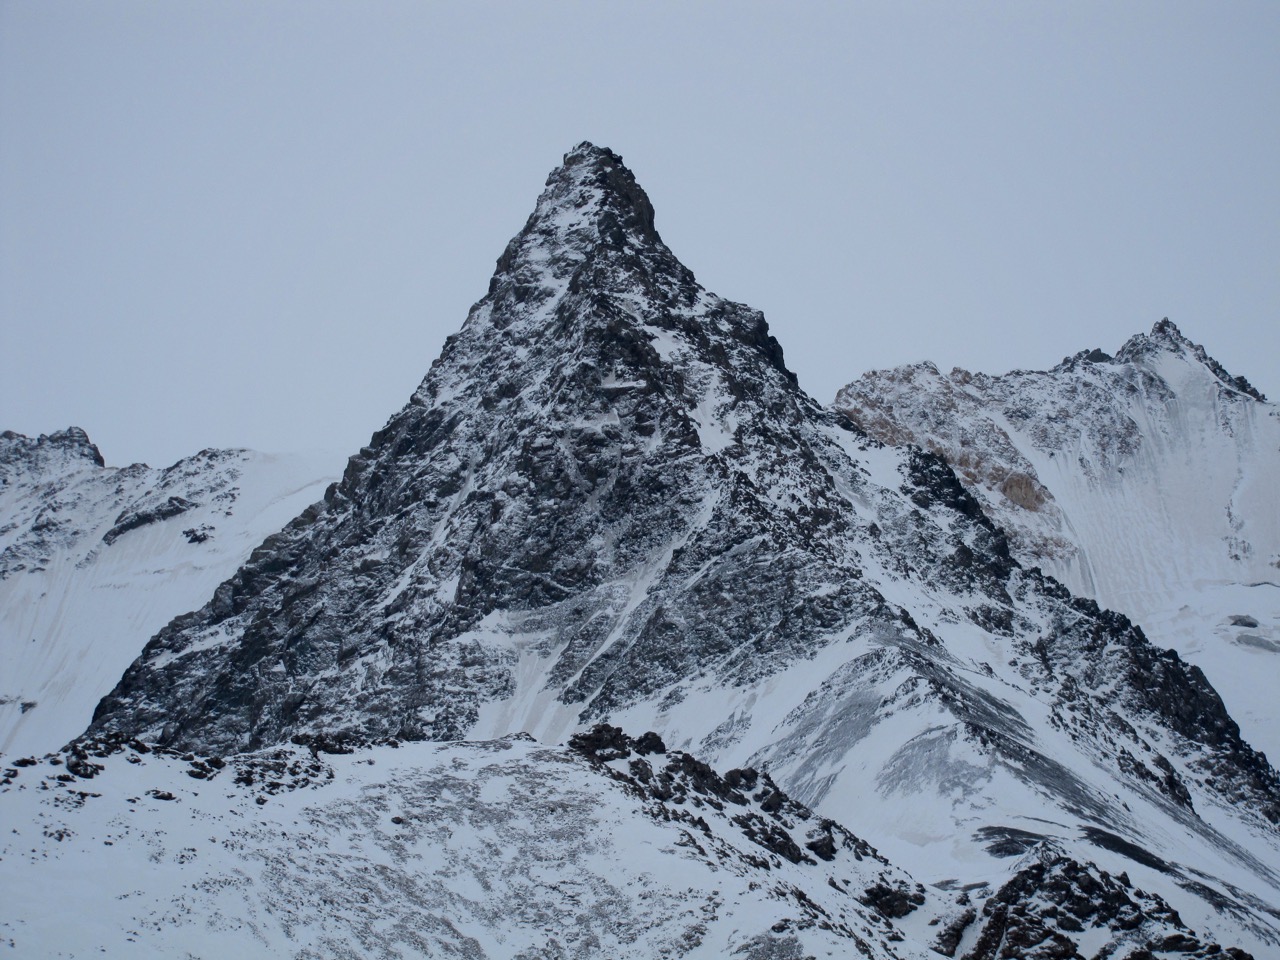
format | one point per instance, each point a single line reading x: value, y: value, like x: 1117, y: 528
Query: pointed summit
x: 1166, y: 337
x: 599, y: 429
x: 587, y: 272
x: 591, y: 202
x: 593, y: 189
x: 1166, y: 329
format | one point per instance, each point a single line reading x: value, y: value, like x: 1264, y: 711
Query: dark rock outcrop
x: 133, y: 519
x: 1047, y: 909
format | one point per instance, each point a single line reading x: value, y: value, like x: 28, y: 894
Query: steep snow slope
x: 94, y: 560
x: 610, y: 499
x: 1145, y: 480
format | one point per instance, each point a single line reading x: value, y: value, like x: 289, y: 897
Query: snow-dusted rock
x: 1146, y: 480
x: 95, y: 559
x: 496, y: 849
x: 612, y: 847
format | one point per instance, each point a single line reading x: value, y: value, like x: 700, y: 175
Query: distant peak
x: 1167, y: 330
x: 622, y: 203
x: 72, y: 442
x: 588, y: 152
x: 591, y: 206
x: 1165, y: 336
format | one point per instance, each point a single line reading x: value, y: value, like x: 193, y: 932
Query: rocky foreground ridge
x: 611, y: 846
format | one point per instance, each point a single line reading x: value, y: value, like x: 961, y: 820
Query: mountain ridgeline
x: 1144, y: 480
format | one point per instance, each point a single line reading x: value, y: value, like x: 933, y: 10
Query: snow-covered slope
x: 1146, y: 480
x: 95, y: 559
x: 609, y: 499
x: 613, y: 847
x: 493, y: 849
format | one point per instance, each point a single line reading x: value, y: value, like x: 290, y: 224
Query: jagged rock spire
x: 599, y: 428
x: 591, y: 202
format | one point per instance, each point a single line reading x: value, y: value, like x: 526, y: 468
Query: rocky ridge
x: 1143, y: 480
x: 481, y: 849
x: 95, y: 558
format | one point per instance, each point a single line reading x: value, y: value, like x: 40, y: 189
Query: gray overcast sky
x: 254, y: 223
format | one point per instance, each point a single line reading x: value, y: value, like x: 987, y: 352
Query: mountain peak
x: 1165, y: 336
x: 598, y: 176
x: 1167, y: 330
x: 589, y: 240
x: 590, y: 200
x: 71, y: 443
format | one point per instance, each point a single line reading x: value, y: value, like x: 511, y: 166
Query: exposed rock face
x: 754, y: 804
x: 133, y: 519
x: 610, y: 499
x: 1054, y: 906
